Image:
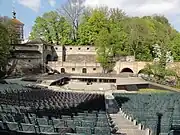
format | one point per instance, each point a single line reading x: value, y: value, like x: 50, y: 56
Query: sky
x: 28, y: 10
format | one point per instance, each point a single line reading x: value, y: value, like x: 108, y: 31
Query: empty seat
x: 102, y: 124
x: 102, y: 131
x: 13, y: 126
x: 47, y: 130
x: 88, y: 123
x: 84, y: 130
x: 65, y: 117
x: 58, y: 123
x: 28, y: 128
x: 42, y: 121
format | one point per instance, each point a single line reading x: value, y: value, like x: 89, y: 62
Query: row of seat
x: 36, y: 110
x: 52, y: 101
x: 159, y: 112
x: 79, y: 124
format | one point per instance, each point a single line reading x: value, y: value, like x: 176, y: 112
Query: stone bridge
x: 120, y: 67
x: 136, y: 67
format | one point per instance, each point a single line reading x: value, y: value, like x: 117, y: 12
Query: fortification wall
x: 73, y: 67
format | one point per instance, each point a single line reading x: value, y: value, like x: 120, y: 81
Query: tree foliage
x: 125, y: 35
x: 7, y: 37
x: 52, y: 28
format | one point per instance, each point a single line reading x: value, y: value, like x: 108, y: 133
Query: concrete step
x: 126, y: 126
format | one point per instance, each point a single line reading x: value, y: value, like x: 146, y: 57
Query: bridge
x: 94, y: 68
x: 137, y: 67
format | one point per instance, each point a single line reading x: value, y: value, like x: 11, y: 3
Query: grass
x: 153, y: 91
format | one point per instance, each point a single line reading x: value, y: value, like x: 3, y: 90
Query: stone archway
x: 141, y: 71
x: 127, y: 70
x: 48, y: 58
x: 84, y: 70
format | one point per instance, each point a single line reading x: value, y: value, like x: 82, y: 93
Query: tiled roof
x: 17, y: 21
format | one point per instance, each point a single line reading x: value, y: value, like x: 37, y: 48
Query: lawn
x: 153, y: 91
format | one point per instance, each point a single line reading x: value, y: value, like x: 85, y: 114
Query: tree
x: 72, y: 11
x: 52, y: 28
x: 4, y: 49
x: 138, y: 34
x: 175, y: 47
x: 93, y: 25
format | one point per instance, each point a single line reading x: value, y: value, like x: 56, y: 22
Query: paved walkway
x: 126, y: 127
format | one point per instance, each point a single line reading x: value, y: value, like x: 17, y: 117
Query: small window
x: 94, y: 69
x: 29, y: 60
x: 73, y: 69
x: 79, y: 48
x: 56, y: 48
x: 70, y: 48
x: 87, y: 48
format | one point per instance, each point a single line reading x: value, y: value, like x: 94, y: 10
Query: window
x: 70, y: 48
x: 84, y: 70
x: 29, y: 60
x: 56, y: 48
x: 94, y: 69
x: 87, y: 48
x: 73, y: 69
x: 79, y: 48
x: 63, y: 70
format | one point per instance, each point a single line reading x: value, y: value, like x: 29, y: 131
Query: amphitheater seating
x: 35, y: 125
x: 46, y: 112
x: 158, y: 112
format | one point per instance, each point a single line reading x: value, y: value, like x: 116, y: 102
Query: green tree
x: 92, y: 26
x: 138, y: 34
x: 4, y: 49
x: 52, y: 28
x: 104, y: 51
x: 175, y: 47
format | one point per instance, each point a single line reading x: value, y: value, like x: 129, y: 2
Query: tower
x: 18, y: 25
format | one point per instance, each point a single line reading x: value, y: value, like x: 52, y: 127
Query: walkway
x: 126, y: 127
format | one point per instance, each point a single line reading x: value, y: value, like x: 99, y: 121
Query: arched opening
x: 48, y: 58
x: 63, y: 70
x: 84, y: 70
x: 142, y: 71
x: 126, y: 70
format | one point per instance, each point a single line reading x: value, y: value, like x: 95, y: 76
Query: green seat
x: 78, y: 117
x: 28, y: 128
x: 88, y: 123
x: 77, y: 123
x: 1, y: 125
x: 33, y: 120
x: 66, y: 117
x: 74, y: 134
x: 84, y: 130
x: 102, y: 131
x: 13, y: 126
x: 70, y: 123
x: 102, y: 124
x: 58, y: 123
x: 42, y: 121
x: 47, y: 130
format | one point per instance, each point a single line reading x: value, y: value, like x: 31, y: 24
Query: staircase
x: 126, y: 127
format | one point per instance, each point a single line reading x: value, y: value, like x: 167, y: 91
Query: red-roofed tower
x: 19, y: 26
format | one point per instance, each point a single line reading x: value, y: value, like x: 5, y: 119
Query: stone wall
x: 80, y: 58
x: 76, y: 53
x: 70, y: 67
